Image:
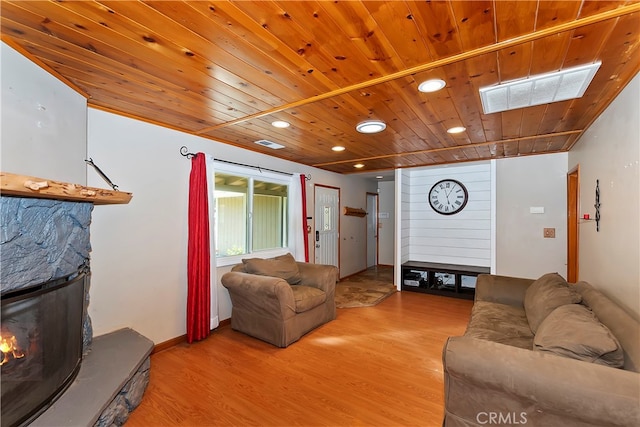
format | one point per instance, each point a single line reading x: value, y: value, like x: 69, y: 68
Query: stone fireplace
x: 47, y: 338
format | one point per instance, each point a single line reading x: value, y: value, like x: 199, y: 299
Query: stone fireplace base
x: 112, y: 378
x: 42, y: 239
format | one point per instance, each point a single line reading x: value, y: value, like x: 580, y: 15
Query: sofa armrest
x: 263, y: 295
x: 543, y: 386
x: 502, y: 289
x: 319, y: 276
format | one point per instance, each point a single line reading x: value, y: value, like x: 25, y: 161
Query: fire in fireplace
x: 40, y: 345
x: 9, y: 348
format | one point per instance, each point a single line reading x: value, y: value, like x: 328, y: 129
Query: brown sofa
x: 278, y: 300
x: 536, y: 353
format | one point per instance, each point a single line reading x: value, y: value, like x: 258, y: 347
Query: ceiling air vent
x: 540, y: 89
x: 269, y: 144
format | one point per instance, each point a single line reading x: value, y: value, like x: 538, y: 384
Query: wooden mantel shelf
x: 30, y: 186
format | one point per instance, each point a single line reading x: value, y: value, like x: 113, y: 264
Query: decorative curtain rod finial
x: 184, y: 151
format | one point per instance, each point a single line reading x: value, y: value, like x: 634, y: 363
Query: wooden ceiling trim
x: 195, y: 100
x: 77, y: 45
x: 146, y: 59
x: 17, y: 47
x: 607, y: 15
x: 458, y: 147
x: 72, y: 58
x: 138, y: 117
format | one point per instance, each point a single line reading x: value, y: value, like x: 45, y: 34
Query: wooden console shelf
x: 30, y: 186
x: 441, y: 279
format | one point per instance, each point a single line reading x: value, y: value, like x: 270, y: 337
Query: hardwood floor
x: 372, y: 366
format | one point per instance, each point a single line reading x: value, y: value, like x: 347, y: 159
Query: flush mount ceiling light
x: 371, y: 126
x: 280, y: 124
x: 358, y: 166
x: 338, y: 148
x: 539, y: 89
x: 431, y: 85
x: 456, y: 129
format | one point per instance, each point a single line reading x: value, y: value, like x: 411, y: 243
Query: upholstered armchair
x: 278, y: 300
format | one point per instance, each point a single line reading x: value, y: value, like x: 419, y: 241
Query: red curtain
x: 198, y: 255
x: 303, y: 188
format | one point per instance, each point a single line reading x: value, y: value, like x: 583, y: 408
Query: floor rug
x: 351, y: 294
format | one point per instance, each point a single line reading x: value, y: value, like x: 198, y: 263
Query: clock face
x: 448, y: 196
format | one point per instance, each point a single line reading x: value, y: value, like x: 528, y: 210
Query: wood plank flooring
x: 372, y: 366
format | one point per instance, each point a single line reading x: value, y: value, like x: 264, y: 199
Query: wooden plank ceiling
x: 227, y: 70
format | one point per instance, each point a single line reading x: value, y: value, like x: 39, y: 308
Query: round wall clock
x: 448, y: 196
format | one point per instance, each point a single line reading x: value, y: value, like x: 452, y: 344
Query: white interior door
x: 372, y: 230
x: 327, y: 205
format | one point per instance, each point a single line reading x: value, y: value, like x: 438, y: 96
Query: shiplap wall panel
x: 463, y: 238
x: 405, y: 218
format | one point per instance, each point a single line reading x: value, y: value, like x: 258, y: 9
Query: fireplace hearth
x: 41, y: 346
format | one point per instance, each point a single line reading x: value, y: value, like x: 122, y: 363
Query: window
x: 250, y: 212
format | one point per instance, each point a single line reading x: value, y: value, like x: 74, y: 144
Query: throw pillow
x: 545, y: 295
x: 283, y: 266
x: 574, y: 331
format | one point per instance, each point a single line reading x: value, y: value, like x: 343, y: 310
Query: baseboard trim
x: 183, y: 338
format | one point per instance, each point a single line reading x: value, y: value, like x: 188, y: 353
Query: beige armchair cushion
x: 574, y: 331
x: 283, y: 266
x: 545, y: 295
x: 307, y: 297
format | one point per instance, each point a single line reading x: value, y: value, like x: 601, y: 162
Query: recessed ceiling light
x: 431, y: 85
x: 358, y: 166
x: 338, y: 148
x: 379, y: 177
x: 280, y: 124
x: 456, y: 129
x: 371, y: 126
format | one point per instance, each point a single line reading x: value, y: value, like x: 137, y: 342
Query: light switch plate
x: 549, y: 233
x: 536, y: 209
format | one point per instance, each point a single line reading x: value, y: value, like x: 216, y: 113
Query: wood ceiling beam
x: 455, y: 147
x: 560, y: 28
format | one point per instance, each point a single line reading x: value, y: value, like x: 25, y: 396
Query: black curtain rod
x: 184, y: 151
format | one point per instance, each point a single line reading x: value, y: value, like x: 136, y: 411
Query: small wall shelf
x: 30, y: 186
x: 354, y: 212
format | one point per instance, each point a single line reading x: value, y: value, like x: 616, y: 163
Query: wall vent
x: 539, y: 89
x: 269, y: 144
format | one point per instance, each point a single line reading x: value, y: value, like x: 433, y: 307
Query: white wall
x: 386, y: 219
x: 610, y: 151
x: 522, y: 183
x: 139, y: 250
x: 44, y: 122
x: 463, y: 238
